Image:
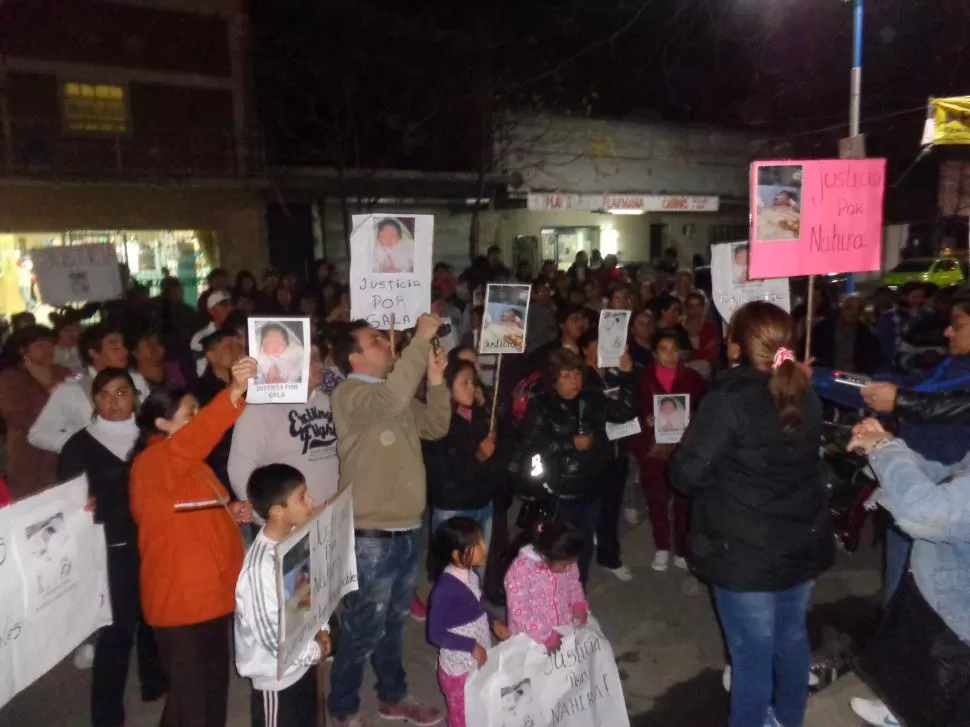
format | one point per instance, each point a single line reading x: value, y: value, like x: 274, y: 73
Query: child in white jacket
x: 279, y: 495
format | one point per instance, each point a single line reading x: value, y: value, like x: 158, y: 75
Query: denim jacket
x: 931, y: 502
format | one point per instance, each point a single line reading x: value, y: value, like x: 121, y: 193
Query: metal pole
x: 855, y: 96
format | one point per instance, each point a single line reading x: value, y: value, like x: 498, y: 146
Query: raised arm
x: 924, y: 503
x: 393, y: 395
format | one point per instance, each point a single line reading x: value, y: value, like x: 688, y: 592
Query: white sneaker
x: 84, y: 657
x: 680, y: 562
x: 873, y: 712
x: 622, y: 573
x: 661, y: 560
x: 631, y: 515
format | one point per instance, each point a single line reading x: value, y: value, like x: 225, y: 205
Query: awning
x: 628, y: 203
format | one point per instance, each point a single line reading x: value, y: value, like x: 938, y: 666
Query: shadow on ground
x: 837, y: 629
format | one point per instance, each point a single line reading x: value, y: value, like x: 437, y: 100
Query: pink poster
x: 816, y: 217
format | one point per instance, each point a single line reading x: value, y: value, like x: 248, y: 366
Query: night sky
x: 386, y: 83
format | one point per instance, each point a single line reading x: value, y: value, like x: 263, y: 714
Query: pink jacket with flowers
x: 539, y: 599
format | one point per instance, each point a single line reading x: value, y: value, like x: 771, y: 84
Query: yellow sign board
x: 951, y: 120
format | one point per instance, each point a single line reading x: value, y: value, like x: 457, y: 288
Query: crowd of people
x: 147, y: 398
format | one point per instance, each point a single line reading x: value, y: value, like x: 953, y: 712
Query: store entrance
x: 562, y: 243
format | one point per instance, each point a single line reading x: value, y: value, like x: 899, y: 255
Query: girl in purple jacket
x: 457, y: 621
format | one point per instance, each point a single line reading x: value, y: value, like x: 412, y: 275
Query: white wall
x: 582, y: 155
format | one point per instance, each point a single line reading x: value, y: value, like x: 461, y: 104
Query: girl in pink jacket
x: 542, y: 585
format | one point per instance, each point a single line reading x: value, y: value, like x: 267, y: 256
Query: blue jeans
x: 372, y: 622
x: 767, y: 639
x: 898, y: 545
x: 584, y: 515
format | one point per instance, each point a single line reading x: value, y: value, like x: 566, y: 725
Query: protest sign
x: 816, y: 217
x: 76, y: 274
x: 315, y: 567
x: 671, y: 415
x: 390, y: 269
x: 612, y: 337
x: 281, y: 346
x: 503, y: 323
x: 523, y: 685
x: 53, y: 583
x: 732, y: 287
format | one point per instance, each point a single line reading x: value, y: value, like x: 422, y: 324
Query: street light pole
x: 855, y: 94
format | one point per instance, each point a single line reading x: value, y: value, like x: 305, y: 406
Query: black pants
x: 295, y: 706
x: 196, y: 661
x: 112, y: 652
x: 608, y: 529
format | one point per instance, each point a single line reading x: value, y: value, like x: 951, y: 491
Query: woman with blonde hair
x: 760, y: 529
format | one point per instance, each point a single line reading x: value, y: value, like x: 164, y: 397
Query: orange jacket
x: 189, y: 559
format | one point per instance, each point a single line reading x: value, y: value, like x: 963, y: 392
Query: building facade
x: 631, y: 189
x: 129, y: 123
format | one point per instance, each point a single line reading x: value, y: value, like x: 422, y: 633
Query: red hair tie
x: 781, y: 356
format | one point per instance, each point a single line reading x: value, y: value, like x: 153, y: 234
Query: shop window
x: 95, y: 108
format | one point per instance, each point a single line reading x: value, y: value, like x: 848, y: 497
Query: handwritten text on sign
x: 390, y: 269
x: 78, y: 273
x: 333, y: 574
x: 816, y: 217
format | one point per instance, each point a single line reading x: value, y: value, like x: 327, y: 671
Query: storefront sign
x: 622, y: 203
x: 815, y: 217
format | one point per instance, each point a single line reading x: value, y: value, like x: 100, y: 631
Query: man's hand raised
x: 427, y: 328
x: 437, y: 362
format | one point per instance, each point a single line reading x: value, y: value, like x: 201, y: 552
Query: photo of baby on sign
x: 283, y: 357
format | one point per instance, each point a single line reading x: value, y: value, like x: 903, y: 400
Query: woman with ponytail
x: 189, y: 542
x: 760, y: 529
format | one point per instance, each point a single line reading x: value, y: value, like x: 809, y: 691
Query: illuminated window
x: 95, y: 107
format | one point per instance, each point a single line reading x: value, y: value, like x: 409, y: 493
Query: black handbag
x: 917, y: 665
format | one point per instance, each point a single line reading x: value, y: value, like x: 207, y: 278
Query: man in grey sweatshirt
x: 300, y: 435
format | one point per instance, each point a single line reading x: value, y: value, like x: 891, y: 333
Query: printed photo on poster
x: 393, y: 250
x: 503, y: 323
x: 779, y: 202
x: 390, y: 269
x: 518, y: 705
x: 282, y: 352
x: 671, y: 414
x: 297, y: 594
x: 613, y: 328
x: 731, y: 286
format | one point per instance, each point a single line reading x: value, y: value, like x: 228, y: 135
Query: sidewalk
x: 668, y: 647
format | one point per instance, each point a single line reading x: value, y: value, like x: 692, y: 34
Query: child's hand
x: 325, y: 642
x: 580, y: 617
x: 481, y: 656
x: 486, y: 448
x: 501, y: 631
x: 554, y: 643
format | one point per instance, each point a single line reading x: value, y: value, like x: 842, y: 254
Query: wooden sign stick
x: 809, y: 318
x: 392, y: 334
x: 495, y: 388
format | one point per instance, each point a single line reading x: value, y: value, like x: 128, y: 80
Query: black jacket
x: 938, y: 407
x: 549, y: 427
x: 760, y: 519
x: 456, y: 479
x: 107, y: 484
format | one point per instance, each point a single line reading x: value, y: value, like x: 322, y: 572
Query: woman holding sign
x: 191, y: 551
x: 760, y: 530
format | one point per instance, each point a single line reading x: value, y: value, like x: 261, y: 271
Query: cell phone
x: 856, y: 380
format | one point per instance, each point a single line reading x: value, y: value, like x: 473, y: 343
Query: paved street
x: 668, y: 647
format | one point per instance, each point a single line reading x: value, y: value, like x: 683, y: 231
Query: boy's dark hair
x: 558, y: 541
x: 591, y: 336
x: 92, y: 339
x: 236, y: 322
x: 457, y: 533
x: 344, y: 343
x: 272, y: 485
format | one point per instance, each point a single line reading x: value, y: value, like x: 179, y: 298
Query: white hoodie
x: 257, y: 623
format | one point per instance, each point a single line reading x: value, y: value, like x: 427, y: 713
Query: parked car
x: 940, y: 271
